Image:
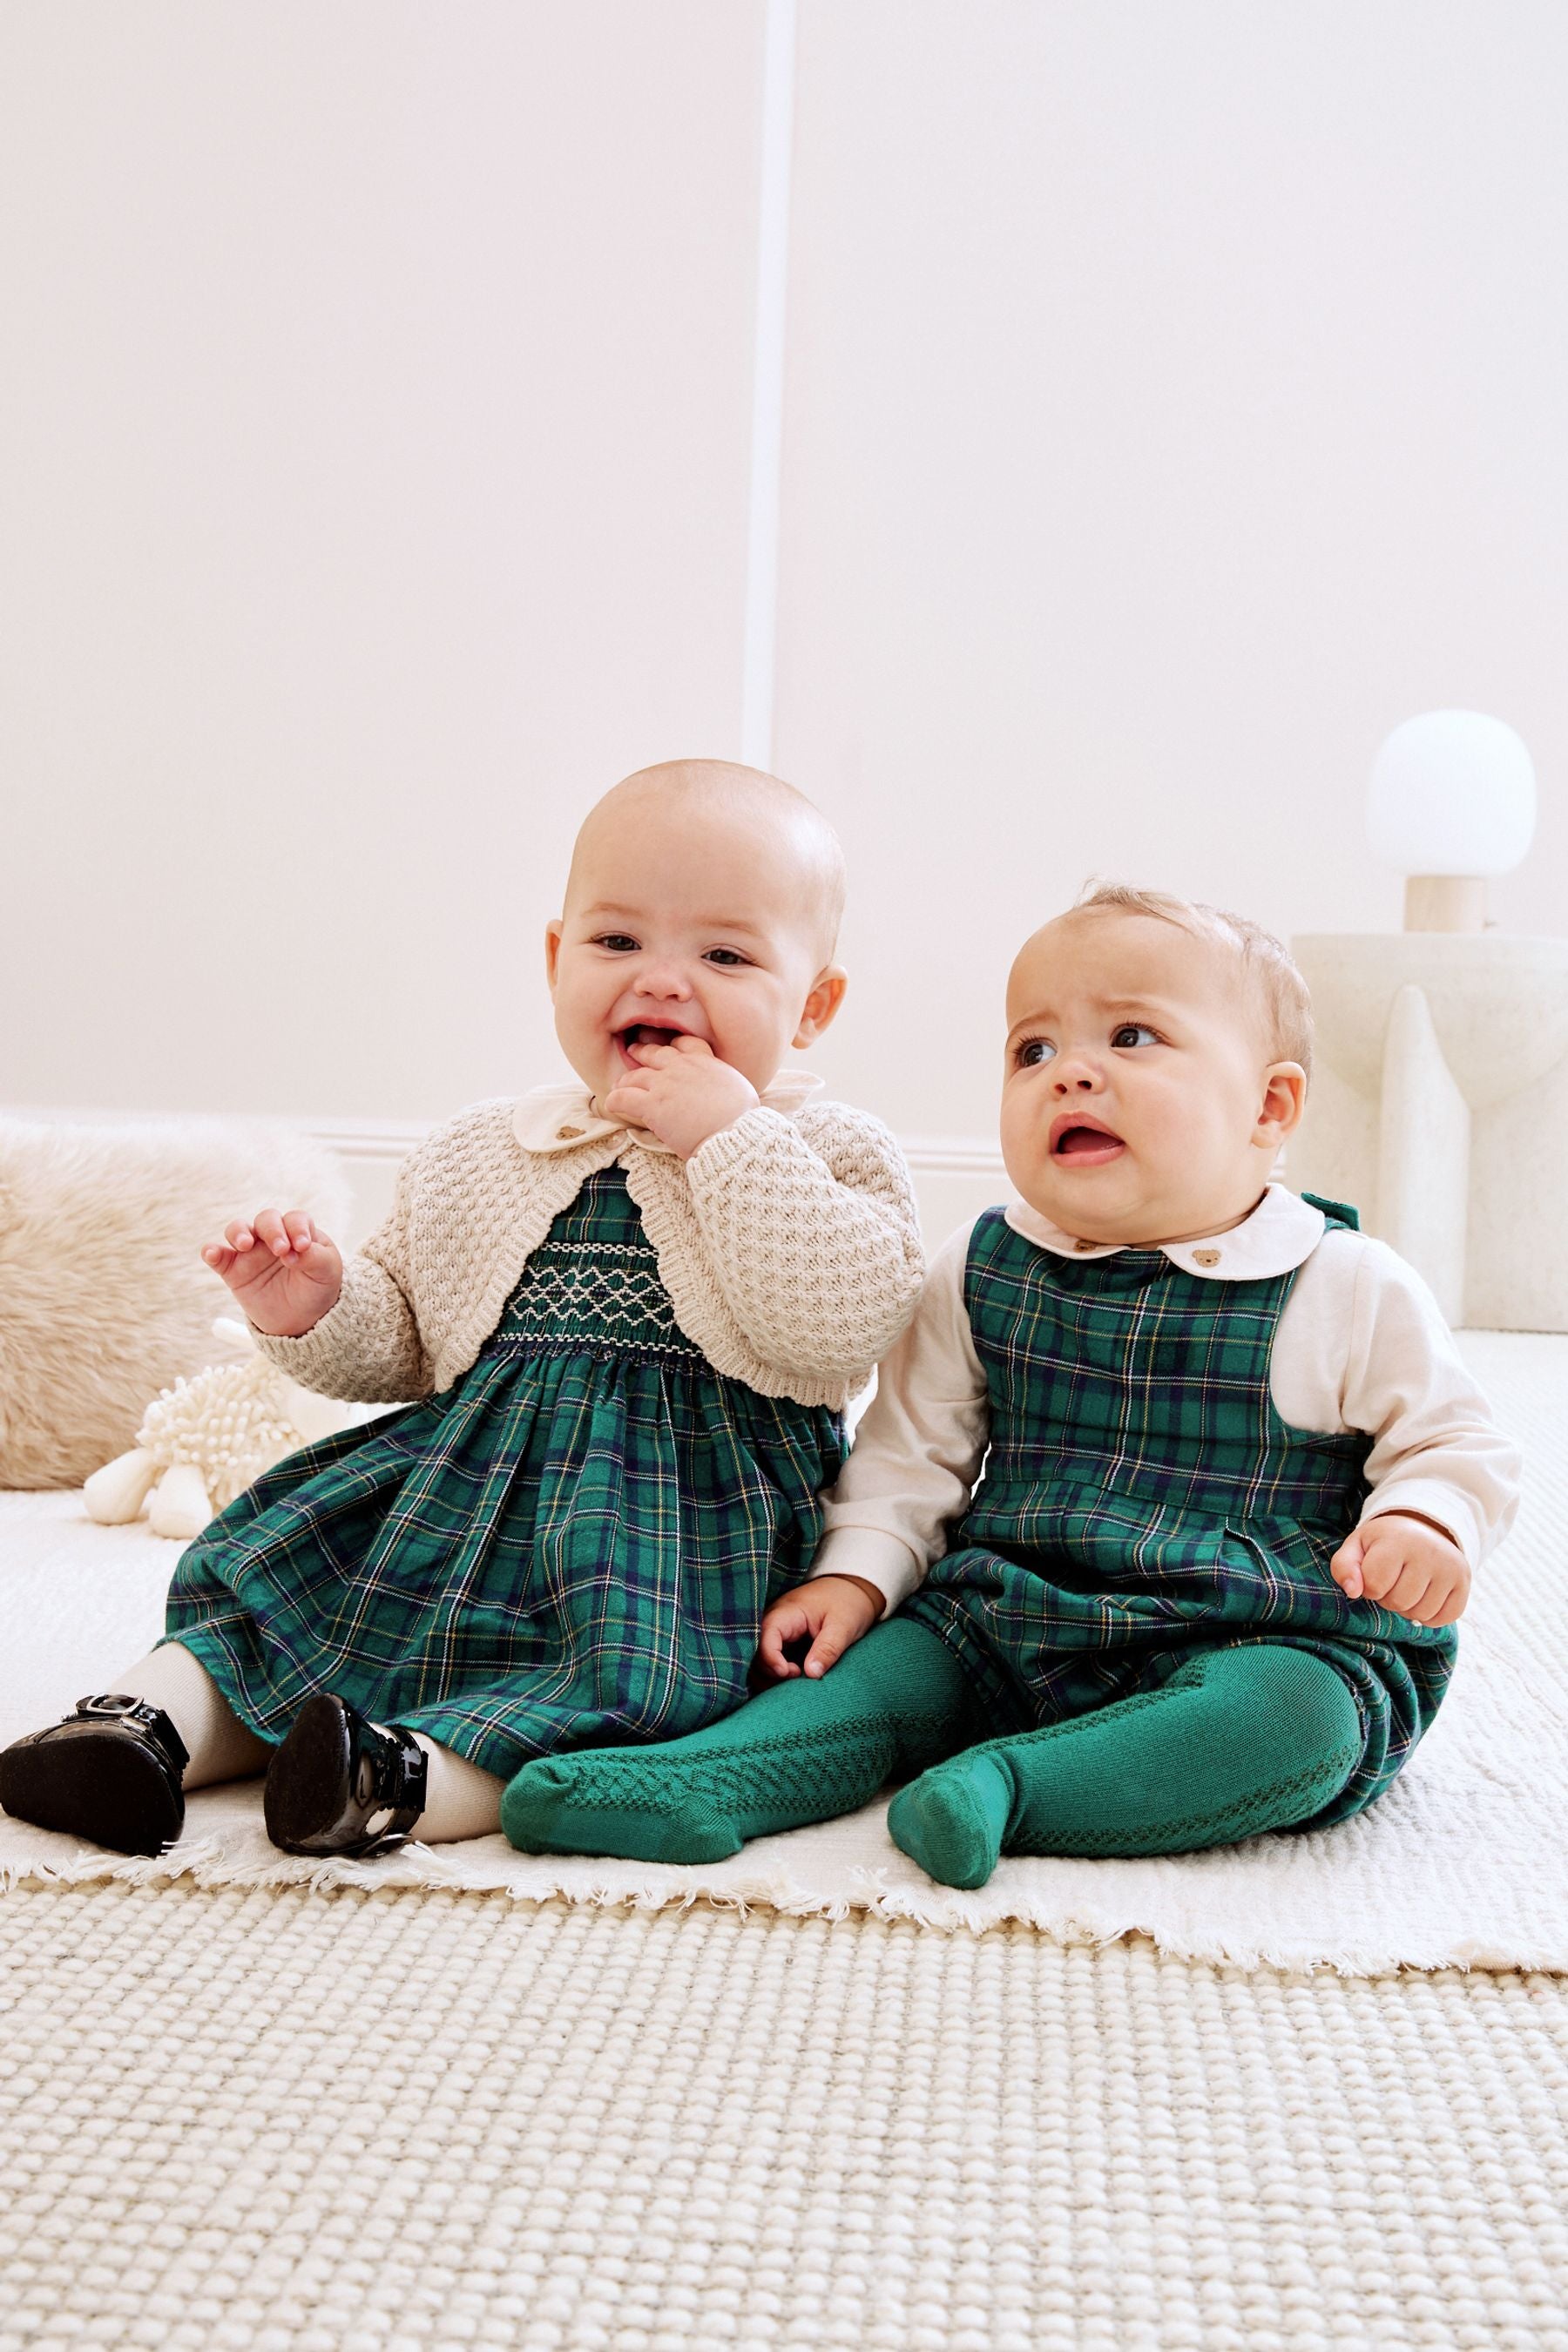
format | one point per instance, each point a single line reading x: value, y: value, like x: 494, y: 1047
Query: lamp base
x: 1439, y: 1104
x: 1446, y: 902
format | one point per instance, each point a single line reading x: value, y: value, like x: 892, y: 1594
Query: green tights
x: 1239, y: 1740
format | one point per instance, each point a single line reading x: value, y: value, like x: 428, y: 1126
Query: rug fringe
x: 207, y: 1868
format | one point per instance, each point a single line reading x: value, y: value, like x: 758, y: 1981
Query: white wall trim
x: 353, y: 1139
x: 955, y: 1176
x: 759, y: 642
x: 953, y: 1155
x: 388, y: 1140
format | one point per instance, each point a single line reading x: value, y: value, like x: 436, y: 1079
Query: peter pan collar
x: 562, y: 1119
x: 1281, y: 1235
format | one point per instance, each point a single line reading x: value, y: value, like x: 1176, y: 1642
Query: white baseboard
x: 955, y: 1176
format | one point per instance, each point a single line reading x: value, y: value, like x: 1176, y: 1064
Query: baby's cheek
x: 1026, y: 1141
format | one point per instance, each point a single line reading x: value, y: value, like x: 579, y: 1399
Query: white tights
x: 460, y: 1801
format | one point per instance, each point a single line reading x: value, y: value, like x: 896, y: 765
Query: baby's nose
x: 663, y: 980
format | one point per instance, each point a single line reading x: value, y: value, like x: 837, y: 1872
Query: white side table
x: 1439, y: 1105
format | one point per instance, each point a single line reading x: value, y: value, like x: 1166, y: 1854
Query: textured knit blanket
x: 1460, y: 1865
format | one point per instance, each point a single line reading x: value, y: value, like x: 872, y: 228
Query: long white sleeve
x: 1362, y: 1344
x: 918, y: 1449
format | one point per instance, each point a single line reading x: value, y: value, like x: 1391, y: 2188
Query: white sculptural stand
x: 1439, y: 1106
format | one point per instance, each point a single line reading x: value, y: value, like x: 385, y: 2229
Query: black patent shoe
x: 338, y: 1784
x: 110, y: 1772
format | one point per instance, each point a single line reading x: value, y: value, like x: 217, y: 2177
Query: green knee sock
x: 800, y: 1751
x: 1239, y: 1740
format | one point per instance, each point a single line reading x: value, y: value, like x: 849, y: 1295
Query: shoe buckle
x: 124, y: 1706
x: 114, y: 1702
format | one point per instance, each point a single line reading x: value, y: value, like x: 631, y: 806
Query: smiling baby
x: 623, y: 1317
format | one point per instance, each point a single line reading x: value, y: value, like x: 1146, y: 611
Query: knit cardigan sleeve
x: 811, y: 1230
x: 367, y: 1348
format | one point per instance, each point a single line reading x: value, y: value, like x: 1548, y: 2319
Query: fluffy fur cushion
x: 104, y: 1298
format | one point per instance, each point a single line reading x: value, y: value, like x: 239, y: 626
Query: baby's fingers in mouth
x: 642, y: 1040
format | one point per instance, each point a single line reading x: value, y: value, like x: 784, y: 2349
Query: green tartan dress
x: 571, y: 1547
x: 1142, y: 1499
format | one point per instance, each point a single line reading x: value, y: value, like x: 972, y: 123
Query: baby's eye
x: 724, y: 956
x: 618, y: 942
x: 1134, y: 1033
x: 1034, y: 1051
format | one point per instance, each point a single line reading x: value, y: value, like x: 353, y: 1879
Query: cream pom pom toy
x: 206, y: 1439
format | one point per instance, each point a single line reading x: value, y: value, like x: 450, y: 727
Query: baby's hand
x: 831, y: 1612
x: 682, y: 1093
x: 284, y: 1273
x: 1404, y: 1563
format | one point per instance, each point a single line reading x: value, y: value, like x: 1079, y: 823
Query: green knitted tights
x: 802, y: 1751
x: 1239, y: 1740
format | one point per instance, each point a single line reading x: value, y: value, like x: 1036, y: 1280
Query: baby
x: 634, y: 1309
x: 1184, y: 1475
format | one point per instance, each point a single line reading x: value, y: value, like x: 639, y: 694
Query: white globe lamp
x: 1451, y: 802
x: 1440, y: 1096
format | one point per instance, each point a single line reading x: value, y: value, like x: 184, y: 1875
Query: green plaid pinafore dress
x: 569, y: 1547
x: 1142, y: 1499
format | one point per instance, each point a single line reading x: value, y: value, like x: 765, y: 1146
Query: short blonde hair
x: 1268, y: 969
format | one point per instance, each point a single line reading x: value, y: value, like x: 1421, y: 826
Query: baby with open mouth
x: 1170, y: 1495
x: 630, y: 1311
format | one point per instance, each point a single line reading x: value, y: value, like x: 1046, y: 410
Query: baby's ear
x: 1284, y: 1100
x: 825, y: 996
x: 552, y: 952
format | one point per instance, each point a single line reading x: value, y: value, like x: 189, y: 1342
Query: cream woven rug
x: 1461, y: 1864
x: 279, y: 2121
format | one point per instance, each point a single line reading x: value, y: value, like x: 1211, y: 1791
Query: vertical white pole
x: 759, y: 650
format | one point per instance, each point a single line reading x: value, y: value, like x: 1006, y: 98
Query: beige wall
x: 377, y: 420
x: 1174, y: 403
x: 1177, y: 401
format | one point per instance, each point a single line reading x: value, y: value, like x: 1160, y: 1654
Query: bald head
x: 792, y: 837
x: 703, y: 903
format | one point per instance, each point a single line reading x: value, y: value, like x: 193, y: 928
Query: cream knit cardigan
x: 789, y: 1246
